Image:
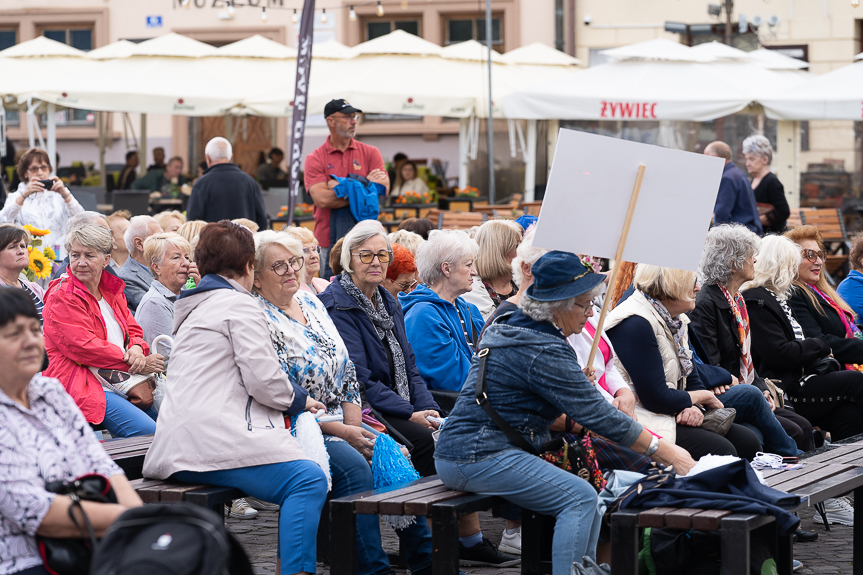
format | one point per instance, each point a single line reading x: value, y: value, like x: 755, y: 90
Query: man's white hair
x: 219, y: 149
x: 139, y: 227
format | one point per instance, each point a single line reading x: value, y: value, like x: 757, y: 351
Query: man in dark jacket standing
x: 225, y: 192
x: 735, y: 202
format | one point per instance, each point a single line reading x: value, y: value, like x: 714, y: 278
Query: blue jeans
x: 300, y: 487
x: 122, y: 419
x: 352, y: 474
x: 753, y: 411
x: 530, y: 482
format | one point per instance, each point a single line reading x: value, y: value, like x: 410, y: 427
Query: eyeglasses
x: 281, y: 268
x: 313, y: 249
x: 813, y: 256
x: 368, y: 257
x: 407, y: 287
x: 37, y: 169
x: 593, y: 303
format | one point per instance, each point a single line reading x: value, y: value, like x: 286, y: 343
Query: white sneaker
x: 510, y: 543
x: 261, y: 505
x: 838, y: 511
x: 239, y: 509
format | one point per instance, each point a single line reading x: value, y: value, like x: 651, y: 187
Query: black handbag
x: 72, y: 556
x: 822, y: 366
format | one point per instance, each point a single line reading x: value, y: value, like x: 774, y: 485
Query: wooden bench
x: 531, y: 208
x: 129, y: 453
x: 832, y: 227
x: 172, y: 492
x: 823, y: 476
x: 446, y: 220
x: 426, y: 497
x: 794, y: 220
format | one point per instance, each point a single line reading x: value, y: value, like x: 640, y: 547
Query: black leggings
x: 739, y: 441
x: 422, y: 454
x: 833, y: 402
x: 797, y: 427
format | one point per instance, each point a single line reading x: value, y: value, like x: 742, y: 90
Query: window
x: 8, y: 38
x: 463, y: 29
x: 377, y: 27
x: 12, y: 118
x: 80, y: 38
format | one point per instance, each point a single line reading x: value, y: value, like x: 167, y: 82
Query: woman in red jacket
x: 87, y: 324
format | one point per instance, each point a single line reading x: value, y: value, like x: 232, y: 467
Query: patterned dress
x: 50, y: 441
x: 313, y: 355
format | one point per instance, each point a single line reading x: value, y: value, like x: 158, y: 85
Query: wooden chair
x: 794, y: 220
x: 447, y: 220
x: 531, y: 208
x: 832, y: 227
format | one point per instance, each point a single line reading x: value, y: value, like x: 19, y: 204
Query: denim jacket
x: 532, y: 376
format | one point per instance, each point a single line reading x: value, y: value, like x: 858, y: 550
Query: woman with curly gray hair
x: 766, y: 186
x: 721, y: 322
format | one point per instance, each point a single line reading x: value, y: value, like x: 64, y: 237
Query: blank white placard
x: 588, y: 193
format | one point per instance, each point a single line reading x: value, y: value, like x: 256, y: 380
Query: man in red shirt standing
x: 340, y: 155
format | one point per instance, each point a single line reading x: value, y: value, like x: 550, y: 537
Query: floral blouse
x: 47, y: 442
x: 313, y: 355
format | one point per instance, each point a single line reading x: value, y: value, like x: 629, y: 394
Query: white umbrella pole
x: 488, y: 40
x: 142, y: 153
x: 463, y: 145
x: 530, y: 165
x: 100, y: 126
x: 52, y: 136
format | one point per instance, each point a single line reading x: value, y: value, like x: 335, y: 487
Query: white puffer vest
x: 663, y: 425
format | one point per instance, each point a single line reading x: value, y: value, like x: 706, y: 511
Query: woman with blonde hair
x: 312, y: 256
x: 649, y: 332
x: 821, y: 312
x: 498, y: 241
x: 412, y: 241
x: 785, y: 351
x: 190, y: 232
x: 170, y: 220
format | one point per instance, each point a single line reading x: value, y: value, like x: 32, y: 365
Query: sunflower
x: 36, y: 232
x: 49, y: 253
x: 39, y: 264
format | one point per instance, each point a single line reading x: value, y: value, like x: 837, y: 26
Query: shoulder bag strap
x: 475, y: 339
x: 482, y: 400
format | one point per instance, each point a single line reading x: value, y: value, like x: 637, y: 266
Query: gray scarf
x: 384, y: 324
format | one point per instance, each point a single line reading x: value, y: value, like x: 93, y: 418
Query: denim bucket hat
x: 561, y: 275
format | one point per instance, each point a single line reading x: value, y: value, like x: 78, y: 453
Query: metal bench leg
x: 785, y: 555
x: 536, y: 535
x: 343, y: 538
x: 858, y: 531
x: 819, y: 507
x: 735, y: 546
x: 445, y: 543
x: 624, y: 542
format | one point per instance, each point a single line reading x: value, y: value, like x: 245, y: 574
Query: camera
x: 47, y: 183
x: 587, y: 20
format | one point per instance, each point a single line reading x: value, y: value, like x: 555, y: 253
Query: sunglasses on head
x: 813, y: 255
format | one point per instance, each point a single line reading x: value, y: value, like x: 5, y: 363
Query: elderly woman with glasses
x: 41, y: 200
x: 309, y: 282
x: 437, y: 319
x: 317, y: 362
x: 721, y: 322
x: 530, y: 375
x: 649, y: 331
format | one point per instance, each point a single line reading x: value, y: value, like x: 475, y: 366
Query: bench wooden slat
x: 147, y: 489
x: 802, y: 481
x: 838, y: 455
x: 654, y: 517
x: 777, y: 480
x: 395, y: 505
x: 175, y: 493
x: 833, y: 486
x: 709, y: 520
x: 423, y: 505
x: 681, y: 518
x: 367, y: 502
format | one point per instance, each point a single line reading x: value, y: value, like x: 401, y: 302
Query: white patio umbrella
x: 538, y: 54
x: 835, y: 95
x: 118, y: 49
x: 258, y: 46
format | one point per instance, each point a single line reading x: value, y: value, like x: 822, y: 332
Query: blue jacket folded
x: 433, y: 324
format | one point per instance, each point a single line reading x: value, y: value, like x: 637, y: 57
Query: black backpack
x: 169, y: 540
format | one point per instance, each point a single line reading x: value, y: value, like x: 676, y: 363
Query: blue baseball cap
x: 561, y: 275
x: 526, y: 221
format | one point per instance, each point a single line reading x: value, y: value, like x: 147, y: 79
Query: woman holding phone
x: 41, y: 201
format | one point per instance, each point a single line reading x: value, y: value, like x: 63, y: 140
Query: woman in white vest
x: 649, y: 334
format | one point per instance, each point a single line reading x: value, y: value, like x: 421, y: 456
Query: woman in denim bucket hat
x: 532, y: 376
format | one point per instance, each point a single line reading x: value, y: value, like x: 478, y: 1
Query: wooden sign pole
x: 618, y: 259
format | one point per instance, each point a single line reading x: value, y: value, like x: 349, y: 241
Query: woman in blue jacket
x: 436, y: 318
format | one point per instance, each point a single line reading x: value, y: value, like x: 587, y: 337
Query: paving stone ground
x: 830, y: 555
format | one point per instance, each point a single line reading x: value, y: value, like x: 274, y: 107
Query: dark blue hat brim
x: 567, y: 290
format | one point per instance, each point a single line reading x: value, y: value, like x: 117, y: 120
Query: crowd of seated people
x: 391, y: 344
